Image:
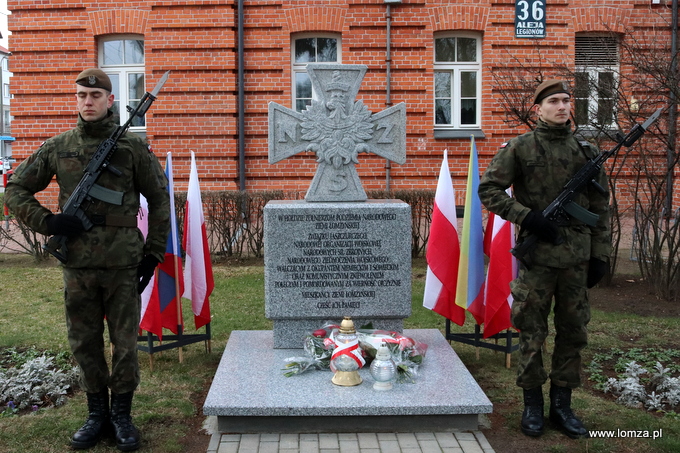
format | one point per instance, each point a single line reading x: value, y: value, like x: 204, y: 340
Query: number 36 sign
x: 530, y: 18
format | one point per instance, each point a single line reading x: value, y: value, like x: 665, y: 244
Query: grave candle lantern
x: 347, y: 358
x: 383, y: 369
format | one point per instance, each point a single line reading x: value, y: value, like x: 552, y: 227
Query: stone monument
x: 336, y: 253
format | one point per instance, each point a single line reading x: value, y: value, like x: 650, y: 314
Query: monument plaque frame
x: 324, y: 261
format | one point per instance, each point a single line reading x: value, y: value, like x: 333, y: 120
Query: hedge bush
x: 235, y: 222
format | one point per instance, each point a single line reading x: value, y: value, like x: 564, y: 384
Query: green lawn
x: 168, y: 404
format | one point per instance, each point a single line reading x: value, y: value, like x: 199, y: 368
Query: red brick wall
x: 197, y: 40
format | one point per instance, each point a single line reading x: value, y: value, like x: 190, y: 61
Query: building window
x: 597, y: 66
x: 310, y: 49
x: 122, y: 58
x: 457, y: 81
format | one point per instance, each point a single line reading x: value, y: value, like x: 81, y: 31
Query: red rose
x: 319, y: 333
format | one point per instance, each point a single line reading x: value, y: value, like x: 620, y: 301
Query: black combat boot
x: 532, y: 417
x: 127, y: 436
x: 561, y: 414
x: 97, y: 422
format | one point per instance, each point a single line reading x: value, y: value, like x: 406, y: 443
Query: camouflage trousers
x: 533, y: 292
x: 92, y: 297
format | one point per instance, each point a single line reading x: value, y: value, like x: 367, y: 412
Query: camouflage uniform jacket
x: 538, y: 164
x: 66, y: 156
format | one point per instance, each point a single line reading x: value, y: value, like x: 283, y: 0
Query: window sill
x: 139, y: 132
x: 458, y: 133
x: 592, y: 133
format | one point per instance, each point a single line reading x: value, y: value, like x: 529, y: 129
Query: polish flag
x: 500, y: 238
x: 443, y: 252
x: 150, y: 319
x: 198, y: 274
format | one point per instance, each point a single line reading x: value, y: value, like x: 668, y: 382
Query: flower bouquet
x: 318, y: 348
x: 407, y: 353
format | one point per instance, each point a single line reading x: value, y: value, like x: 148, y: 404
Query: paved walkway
x: 457, y: 442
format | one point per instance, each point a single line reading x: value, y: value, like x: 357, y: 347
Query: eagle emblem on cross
x: 337, y: 128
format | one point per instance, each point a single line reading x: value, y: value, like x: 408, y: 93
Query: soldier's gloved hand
x: 596, y: 270
x: 63, y: 225
x: 145, y: 271
x: 545, y: 229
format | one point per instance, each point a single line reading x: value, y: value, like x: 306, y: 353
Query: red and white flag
x: 150, y: 317
x: 500, y: 238
x: 198, y: 274
x: 443, y: 252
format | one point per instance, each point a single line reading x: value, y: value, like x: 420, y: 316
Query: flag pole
x: 178, y: 297
x: 150, y: 357
x: 150, y: 334
x: 508, y: 354
x: 175, y: 253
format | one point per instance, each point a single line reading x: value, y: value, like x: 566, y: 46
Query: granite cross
x: 337, y: 128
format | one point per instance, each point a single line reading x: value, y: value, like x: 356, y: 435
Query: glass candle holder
x: 347, y: 358
x: 383, y: 369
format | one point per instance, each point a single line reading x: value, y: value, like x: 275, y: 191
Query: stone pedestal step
x: 250, y: 394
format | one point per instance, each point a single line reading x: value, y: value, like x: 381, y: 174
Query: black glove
x: 145, y: 271
x: 596, y: 270
x: 63, y: 225
x: 545, y: 229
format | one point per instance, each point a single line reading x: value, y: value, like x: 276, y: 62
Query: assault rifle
x: 564, y: 206
x: 87, y: 188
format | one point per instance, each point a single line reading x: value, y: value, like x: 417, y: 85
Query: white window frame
x: 608, y: 64
x: 455, y: 69
x: 122, y: 71
x: 299, y: 68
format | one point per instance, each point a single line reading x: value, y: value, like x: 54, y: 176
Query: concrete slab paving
x: 447, y: 442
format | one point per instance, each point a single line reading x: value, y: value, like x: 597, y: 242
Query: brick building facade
x: 441, y: 58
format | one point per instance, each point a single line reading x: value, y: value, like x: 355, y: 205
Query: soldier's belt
x: 127, y: 221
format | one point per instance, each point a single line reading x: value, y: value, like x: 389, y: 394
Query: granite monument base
x: 250, y: 394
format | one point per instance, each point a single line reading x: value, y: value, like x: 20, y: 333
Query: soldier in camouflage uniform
x: 108, y: 266
x: 566, y: 261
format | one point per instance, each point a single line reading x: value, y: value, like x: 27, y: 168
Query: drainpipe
x: 388, y: 56
x: 672, y: 113
x: 241, y: 104
x: 388, y: 74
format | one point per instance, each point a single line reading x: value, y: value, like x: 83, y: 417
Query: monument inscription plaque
x: 323, y: 262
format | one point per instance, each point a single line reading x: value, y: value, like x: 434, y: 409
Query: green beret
x: 94, y: 78
x: 550, y: 87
